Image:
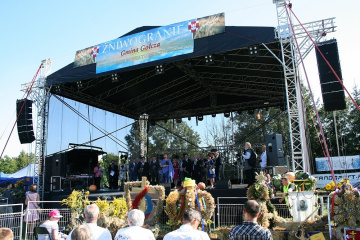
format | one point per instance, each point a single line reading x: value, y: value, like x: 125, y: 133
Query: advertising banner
x: 341, y: 163
x: 324, y: 179
x: 147, y: 46
x: 155, y: 44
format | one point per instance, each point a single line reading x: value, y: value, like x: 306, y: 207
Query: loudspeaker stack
x: 274, y: 150
x: 24, y: 122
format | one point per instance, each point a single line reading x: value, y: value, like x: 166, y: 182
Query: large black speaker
x: 24, y: 122
x: 223, y: 184
x: 331, y: 89
x: 274, y: 150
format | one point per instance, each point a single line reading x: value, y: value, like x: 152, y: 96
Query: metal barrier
x: 229, y: 214
x: 12, y: 218
x: 43, y: 214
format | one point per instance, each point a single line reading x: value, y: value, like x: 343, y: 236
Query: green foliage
x: 161, y: 141
x: 10, y: 165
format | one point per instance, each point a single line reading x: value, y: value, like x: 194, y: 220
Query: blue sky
x: 35, y: 30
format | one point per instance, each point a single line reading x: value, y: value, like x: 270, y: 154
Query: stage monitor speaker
x: 167, y: 187
x: 223, y: 184
x: 274, y: 150
x: 332, y: 91
x: 24, y: 122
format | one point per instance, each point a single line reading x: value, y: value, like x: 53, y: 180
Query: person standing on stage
x: 113, y: 173
x: 263, y: 159
x: 140, y: 168
x: 160, y: 172
x: 154, y: 171
x: 146, y: 169
x: 249, y: 170
x: 133, y: 170
x: 211, y: 169
x: 200, y: 170
x: 187, y: 166
x: 176, y: 167
x: 218, y: 165
x: 123, y: 169
x: 165, y: 165
x: 97, y: 175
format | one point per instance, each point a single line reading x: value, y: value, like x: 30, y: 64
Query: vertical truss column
x: 292, y: 87
x: 143, y: 135
x: 40, y: 95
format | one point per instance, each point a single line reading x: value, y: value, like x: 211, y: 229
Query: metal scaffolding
x: 40, y: 96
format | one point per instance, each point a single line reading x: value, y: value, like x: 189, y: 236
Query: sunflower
x: 328, y: 187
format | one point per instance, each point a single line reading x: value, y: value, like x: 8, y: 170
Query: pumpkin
x: 290, y: 175
x: 201, y: 185
x: 92, y: 188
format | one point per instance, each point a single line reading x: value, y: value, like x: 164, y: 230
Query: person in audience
x: 91, y: 215
x: 52, y: 226
x: 263, y: 159
x: 250, y: 229
x: 268, y: 180
x: 31, y: 202
x: 218, y: 165
x: 287, y: 187
x: 135, y: 220
x: 188, y: 231
x: 82, y: 233
x: 6, y: 234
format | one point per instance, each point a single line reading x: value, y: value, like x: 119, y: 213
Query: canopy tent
x: 27, y: 171
x: 3, y: 175
x: 235, y: 81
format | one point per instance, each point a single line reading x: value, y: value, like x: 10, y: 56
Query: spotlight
x: 79, y: 84
x: 209, y: 59
x: 178, y: 120
x: 189, y: 118
x: 213, y: 115
x: 227, y: 114
x: 160, y: 69
x: 253, y: 51
x: 258, y: 115
x: 266, y: 103
x: 57, y: 89
x: 200, y: 118
x: 114, y: 78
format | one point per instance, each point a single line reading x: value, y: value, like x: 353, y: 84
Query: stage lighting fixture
x: 179, y: 120
x: 254, y: 51
x: 209, y: 59
x: 57, y: 89
x: 160, y: 69
x: 79, y: 84
x: 258, y: 115
x: 213, y: 115
x: 114, y: 78
x: 189, y: 118
x: 227, y: 114
x: 266, y: 103
x: 200, y: 118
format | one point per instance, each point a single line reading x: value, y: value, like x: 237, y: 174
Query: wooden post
x: 142, y: 201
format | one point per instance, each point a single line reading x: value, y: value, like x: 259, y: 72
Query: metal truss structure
x: 291, y: 59
x: 40, y: 95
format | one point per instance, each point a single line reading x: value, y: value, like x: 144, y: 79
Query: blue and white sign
x: 342, y: 163
x: 143, y: 47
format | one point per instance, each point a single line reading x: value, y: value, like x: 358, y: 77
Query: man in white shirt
x: 188, y: 231
x: 92, y: 214
x: 135, y: 231
x: 263, y: 159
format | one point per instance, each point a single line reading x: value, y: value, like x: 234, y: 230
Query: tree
x: 10, y: 165
x: 162, y: 138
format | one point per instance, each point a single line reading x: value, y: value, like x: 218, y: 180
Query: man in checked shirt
x: 250, y: 229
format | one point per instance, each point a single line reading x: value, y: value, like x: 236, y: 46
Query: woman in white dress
x: 123, y: 169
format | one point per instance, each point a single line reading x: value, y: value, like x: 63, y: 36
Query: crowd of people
x: 189, y: 230
x: 163, y: 170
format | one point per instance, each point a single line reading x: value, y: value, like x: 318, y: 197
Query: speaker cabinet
x: 332, y: 91
x: 24, y: 122
x: 55, y: 183
x: 274, y: 150
x: 223, y: 184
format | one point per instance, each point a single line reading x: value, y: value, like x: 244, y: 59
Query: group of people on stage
x: 164, y: 170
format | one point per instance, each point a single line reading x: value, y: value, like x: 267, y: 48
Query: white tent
x: 27, y: 171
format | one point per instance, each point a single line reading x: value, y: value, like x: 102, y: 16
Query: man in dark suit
x: 113, y: 175
x: 154, y: 171
x: 218, y: 165
x: 187, y: 166
x: 133, y: 170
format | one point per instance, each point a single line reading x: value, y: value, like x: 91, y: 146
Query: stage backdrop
x: 151, y: 45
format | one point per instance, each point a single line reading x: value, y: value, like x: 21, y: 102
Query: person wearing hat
x: 52, y: 226
x: 287, y: 186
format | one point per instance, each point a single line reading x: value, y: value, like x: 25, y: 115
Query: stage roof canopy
x: 235, y: 81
